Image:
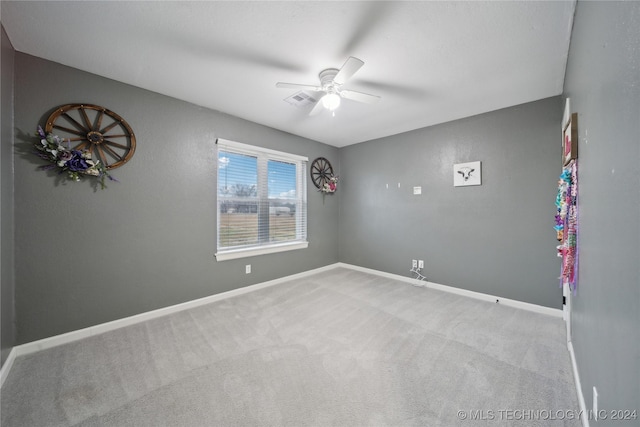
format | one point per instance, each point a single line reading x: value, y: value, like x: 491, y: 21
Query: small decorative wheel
x: 321, y: 171
x: 103, y: 133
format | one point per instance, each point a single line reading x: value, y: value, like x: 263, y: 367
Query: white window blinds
x: 261, y: 200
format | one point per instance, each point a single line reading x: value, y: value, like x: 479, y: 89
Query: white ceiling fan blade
x: 348, y: 69
x: 297, y: 86
x: 359, y: 96
x: 317, y: 108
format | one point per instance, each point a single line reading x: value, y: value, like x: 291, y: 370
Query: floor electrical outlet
x: 247, y: 269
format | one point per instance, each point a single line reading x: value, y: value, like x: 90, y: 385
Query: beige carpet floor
x: 338, y: 348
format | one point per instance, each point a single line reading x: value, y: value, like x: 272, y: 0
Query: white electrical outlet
x: 417, y: 191
x: 414, y: 263
x: 247, y: 269
x: 595, y: 403
x: 421, y: 263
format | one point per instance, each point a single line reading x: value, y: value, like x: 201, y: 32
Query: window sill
x: 245, y: 253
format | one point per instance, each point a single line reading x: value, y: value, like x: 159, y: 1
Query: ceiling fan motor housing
x: 326, y: 79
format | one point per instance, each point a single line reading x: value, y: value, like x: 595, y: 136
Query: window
x: 262, y: 201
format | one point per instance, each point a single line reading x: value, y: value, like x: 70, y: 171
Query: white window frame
x: 264, y: 155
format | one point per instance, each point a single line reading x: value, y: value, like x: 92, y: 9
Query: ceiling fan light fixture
x: 331, y: 101
x: 331, y: 81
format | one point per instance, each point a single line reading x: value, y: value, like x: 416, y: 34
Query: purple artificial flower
x: 559, y: 220
x: 64, y: 157
x: 41, y: 133
x: 77, y: 163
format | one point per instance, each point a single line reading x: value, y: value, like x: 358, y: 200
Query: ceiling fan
x: 331, y: 81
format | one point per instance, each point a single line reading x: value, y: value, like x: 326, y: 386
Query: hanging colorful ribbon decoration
x: 566, y: 224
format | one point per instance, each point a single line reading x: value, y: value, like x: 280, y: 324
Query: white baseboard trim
x: 79, y: 334
x: 576, y: 378
x: 555, y: 312
x: 6, y: 367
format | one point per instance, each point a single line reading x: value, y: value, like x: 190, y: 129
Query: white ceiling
x: 430, y: 62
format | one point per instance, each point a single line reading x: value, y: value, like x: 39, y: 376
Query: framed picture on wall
x: 570, y: 139
x: 467, y: 174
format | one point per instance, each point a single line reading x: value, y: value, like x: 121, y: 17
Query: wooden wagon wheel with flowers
x: 321, y: 172
x: 96, y: 130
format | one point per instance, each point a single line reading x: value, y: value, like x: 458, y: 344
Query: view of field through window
x: 256, y: 200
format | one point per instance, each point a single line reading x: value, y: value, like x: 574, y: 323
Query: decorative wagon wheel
x: 321, y: 172
x: 103, y: 133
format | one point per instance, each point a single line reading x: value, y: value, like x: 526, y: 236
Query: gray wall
x: 496, y: 238
x: 603, y: 83
x: 6, y: 200
x: 86, y: 257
